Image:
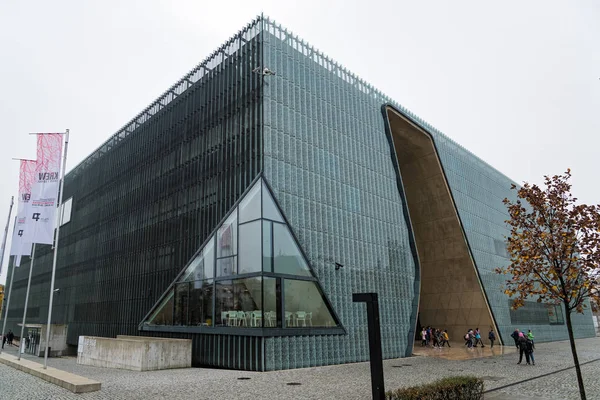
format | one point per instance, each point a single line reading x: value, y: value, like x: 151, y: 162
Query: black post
x: 377, y: 386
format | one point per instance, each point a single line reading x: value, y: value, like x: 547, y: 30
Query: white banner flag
x: 20, y: 246
x: 44, y: 192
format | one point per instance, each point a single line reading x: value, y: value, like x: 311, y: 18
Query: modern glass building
x: 245, y: 206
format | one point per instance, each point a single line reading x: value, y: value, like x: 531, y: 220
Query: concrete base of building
x: 67, y: 380
x: 136, y: 353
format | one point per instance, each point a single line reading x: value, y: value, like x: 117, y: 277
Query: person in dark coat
x: 3, y: 340
x: 529, y: 351
x: 492, y: 337
x: 11, y: 336
x: 522, y: 345
x: 515, y: 336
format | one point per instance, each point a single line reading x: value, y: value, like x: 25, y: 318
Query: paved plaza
x: 350, y: 381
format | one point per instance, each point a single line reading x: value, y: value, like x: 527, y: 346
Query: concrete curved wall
x: 451, y: 295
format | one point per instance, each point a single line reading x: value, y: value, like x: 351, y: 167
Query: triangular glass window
x: 270, y: 209
x: 250, y: 273
x: 250, y: 205
x: 164, y: 312
x: 304, y: 305
x: 202, y: 265
x: 287, y: 258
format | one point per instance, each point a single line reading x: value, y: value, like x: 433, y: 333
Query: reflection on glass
x: 164, y: 313
x: 181, y: 304
x: 304, y: 306
x: 202, y: 267
x: 555, y: 314
x: 249, y: 256
x: 272, y: 302
x: 227, y: 266
x: 247, y: 303
x: 250, y: 206
x: 227, y: 237
x: 266, y: 247
x: 287, y: 256
x: 201, y: 293
x: 223, y: 302
x: 239, y: 303
x: 270, y: 210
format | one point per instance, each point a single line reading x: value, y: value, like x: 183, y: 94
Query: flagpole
x: 59, y: 219
x: 26, y: 301
x: 12, y: 201
x: 8, y: 299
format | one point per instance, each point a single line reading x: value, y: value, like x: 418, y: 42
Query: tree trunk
x: 574, y: 352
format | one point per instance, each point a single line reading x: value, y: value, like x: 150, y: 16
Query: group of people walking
x: 525, y: 344
x: 435, y: 338
x: 473, y: 338
x: 9, y: 337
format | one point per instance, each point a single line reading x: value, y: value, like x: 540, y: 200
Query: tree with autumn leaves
x: 554, y: 248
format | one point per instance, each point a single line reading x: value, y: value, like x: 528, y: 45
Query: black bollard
x: 377, y: 386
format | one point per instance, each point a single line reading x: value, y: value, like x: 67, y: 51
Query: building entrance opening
x: 451, y: 294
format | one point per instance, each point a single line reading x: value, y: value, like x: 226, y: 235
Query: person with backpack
x: 530, y: 337
x: 469, y: 337
x: 434, y: 341
x: 492, y: 337
x: 445, y: 338
x: 522, y: 344
x: 529, y: 351
x: 478, y: 338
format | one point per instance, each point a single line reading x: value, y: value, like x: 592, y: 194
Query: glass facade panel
x: 209, y: 261
x: 239, y: 303
x: 286, y: 254
x: 270, y: 210
x: 182, y: 301
x: 534, y: 313
x: 304, y: 305
x: 267, y: 246
x: 223, y: 302
x: 226, y: 266
x: 272, y: 302
x: 250, y: 248
x: 164, y: 312
x: 201, y: 303
x: 202, y: 267
x: 247, y: 303
x: 227, y: 237
x: 250, y: 207
x: 555, y: 314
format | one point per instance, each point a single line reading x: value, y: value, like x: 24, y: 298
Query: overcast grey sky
x: 515, y: 82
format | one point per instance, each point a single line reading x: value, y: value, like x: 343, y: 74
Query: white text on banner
x: 44, y: 193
